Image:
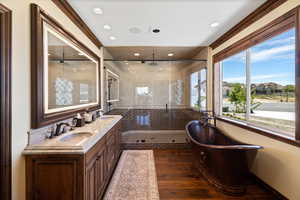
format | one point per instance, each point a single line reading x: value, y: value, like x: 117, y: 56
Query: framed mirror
x: 65, y: 73
x: 112, y: 86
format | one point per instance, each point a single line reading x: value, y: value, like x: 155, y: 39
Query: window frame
x: 198, y: 75
x: 285, y: 22
x: 205, y: 109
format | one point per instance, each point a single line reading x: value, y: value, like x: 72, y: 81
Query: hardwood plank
x: 179, y: 179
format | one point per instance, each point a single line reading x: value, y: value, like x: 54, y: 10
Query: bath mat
x: 134, y: 177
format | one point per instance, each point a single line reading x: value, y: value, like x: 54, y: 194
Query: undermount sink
x: 75, y: 137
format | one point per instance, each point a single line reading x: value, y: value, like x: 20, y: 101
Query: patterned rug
x: 134, y: 177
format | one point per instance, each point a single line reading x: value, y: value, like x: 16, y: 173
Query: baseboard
x: 268, y: 187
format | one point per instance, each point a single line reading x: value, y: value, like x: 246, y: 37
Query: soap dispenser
x: 78, y: 121
x: 88, y: 117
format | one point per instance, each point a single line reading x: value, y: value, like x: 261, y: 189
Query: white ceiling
x: 182, y: 22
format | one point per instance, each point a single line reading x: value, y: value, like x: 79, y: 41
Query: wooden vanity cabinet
x: 73, y: 176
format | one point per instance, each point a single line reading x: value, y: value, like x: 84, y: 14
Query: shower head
x: 153, y: 63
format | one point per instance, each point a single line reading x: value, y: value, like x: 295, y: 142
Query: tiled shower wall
x: 144, y: 85
x: 148, y: 86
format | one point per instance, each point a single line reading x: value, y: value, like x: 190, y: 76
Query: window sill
x: 261, y: 131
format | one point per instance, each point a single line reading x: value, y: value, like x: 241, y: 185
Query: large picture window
x: 258, y: 84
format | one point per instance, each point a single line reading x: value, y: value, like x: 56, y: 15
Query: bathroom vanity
x: 75, y: 165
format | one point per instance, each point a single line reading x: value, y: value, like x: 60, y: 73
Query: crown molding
x: 67, y: 9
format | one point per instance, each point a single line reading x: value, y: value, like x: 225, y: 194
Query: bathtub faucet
x: 206, y: 116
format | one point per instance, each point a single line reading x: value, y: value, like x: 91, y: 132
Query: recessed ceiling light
x: 135, y: 30
x: 98, y: 11
x: 215, y: 24
x: 80, y: 54
x: 112, y: 38
x: 136, y: 54
x: 170, y: 54
x: 107, y: 27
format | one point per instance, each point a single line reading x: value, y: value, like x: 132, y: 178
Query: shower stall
x: 157, y: 98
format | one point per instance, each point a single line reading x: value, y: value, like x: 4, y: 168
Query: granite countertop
x: 88, y: 136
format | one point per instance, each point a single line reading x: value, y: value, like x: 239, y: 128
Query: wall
x: 164, y: 82
x: 278, y: 163
x: 168, y: 82
x: 112, y: 66
x: 21, y: 79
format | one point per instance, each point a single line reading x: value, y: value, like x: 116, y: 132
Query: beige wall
x: 162, y: 81
x: 278, y: 163
x: 21, y: 79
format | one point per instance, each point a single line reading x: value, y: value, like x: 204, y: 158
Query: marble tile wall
x: 143, y: 85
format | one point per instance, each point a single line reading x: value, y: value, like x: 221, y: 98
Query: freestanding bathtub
x: 220, y: 159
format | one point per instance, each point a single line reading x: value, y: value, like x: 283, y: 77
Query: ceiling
x: 160, y: 53
x: 181, y: 22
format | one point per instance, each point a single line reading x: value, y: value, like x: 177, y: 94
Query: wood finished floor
x: 178, y: 179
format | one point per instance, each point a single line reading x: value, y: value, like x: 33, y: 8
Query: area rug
x: 134, y: 177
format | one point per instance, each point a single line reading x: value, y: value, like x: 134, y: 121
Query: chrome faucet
x: 60, y: 128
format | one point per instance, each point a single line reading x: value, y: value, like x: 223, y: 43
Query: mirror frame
x: 39, y: 117
x: 118, y: 79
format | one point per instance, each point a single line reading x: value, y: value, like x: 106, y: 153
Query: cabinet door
x: 100, y: 173
x: 118, y: 139
x: 57, y: 177
x: 91, y: 187
x: 111, y: 145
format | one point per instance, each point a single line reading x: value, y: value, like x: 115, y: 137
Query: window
x: 194, y: 88
x: 258, y: 84
x: 84, y: 92
x: 142, y: 91
x: 233, y: 86
x: 198, y: 90
x: 203, y: 87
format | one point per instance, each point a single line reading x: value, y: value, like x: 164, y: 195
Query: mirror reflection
x: 72, y: 76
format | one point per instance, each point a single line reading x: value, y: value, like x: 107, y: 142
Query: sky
x: 271, y: 61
